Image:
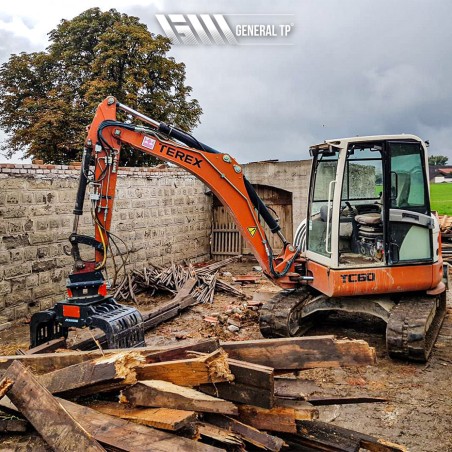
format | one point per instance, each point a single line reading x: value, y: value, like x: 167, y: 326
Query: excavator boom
x: 88, y: 303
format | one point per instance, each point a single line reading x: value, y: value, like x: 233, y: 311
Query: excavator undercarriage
x: 412, y: 323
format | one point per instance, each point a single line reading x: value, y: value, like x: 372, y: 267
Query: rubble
x: 445, y: 223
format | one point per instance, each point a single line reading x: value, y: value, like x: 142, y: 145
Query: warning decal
x: 252, y: 230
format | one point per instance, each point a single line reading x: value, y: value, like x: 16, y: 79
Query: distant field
x: 441, y: 198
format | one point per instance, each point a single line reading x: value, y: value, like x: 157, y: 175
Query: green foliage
x: 441, y: 198
x: 440, y: 160
x: 48, y: 98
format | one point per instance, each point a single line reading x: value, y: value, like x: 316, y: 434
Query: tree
x: 48, y: 98
x: 438, y: 160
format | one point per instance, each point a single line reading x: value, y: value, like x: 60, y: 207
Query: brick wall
x: 162, y: 214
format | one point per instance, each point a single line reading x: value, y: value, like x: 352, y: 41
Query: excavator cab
x: 369, y: 204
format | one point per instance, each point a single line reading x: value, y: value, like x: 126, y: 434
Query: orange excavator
x: 369, y: 244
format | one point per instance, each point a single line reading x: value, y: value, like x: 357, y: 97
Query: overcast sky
x: 353, y: 67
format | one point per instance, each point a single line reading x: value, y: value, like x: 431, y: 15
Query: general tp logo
x: 214, y: 29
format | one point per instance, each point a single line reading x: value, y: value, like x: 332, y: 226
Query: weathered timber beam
x: 219, y: 434
x: 13, y: 425
x: 253, y: 385
x: 297, y: 353
x: 211, y: 368
x: 303, y: 410
x: 162, y: 418
x: 48, y: 362
x: 58, y: 428
x: 48, y: 347
x: 249, y: 434
x: 157, y: 393
x: 340, y: 438
x: 126, y: 436
x: 90, y: 377
x: 276, y: 419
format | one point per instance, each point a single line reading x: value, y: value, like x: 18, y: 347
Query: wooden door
x: 226, y: 238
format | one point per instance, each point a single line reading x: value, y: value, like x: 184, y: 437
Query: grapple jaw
x: 88, y: 305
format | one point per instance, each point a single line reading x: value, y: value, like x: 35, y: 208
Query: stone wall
x: 290, y: 176
x: 162, y: 214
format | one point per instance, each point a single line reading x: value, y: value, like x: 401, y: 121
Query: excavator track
x: 411, y: 332
x: 413, y: 327
x: 280, y: 316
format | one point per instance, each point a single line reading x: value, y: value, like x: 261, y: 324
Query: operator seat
x: 369, y: 219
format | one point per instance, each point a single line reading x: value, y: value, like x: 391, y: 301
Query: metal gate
x: 226, y: 238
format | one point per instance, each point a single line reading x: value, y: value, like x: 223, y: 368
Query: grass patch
x: 441, y: 198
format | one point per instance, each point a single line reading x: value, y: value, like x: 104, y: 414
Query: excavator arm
x: 88, y: 303
x: 219, y: 171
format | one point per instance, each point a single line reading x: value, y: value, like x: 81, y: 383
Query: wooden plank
x: 341, y: 439
x: 182, y: 300
x: 304, y: 411
x: 97, y: 375
x: 58, y: 428
x: 211, y: 368
x: 13, y: 425
x: 297, y: 353
x: 275, y: 419
x: 249, y: 434
x: 294, y: 388
x: 253, y: 384
x: 48, y: 347
x: 162, y: 418
x: 128, y: 436
x: 157, y: 393
x: 219, y: 434
x: 182, y: 351
x: 48, y: 362
x: 236, y: 392
x: 310, y: 443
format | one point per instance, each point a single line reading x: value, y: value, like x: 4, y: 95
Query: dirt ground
x: 418, y: 411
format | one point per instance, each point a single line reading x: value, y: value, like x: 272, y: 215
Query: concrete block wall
x: 162, y: 214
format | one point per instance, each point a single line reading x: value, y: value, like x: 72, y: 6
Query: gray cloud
x: 10, y: 43
x: 356, y: 68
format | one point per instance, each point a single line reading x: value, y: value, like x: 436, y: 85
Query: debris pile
x: 153, y: 278
x: 202, y: 395
x: 445, y: 224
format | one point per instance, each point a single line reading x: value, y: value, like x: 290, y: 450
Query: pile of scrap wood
x: 204, y: 396
x: 170, y: 279
x: 445, y: 224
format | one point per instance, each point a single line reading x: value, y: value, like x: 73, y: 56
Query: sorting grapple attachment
x: 89, y: 306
